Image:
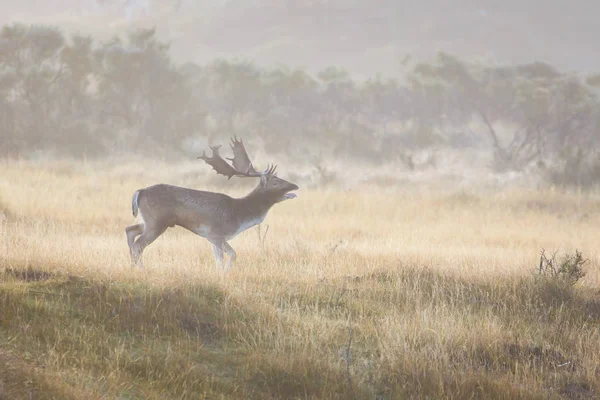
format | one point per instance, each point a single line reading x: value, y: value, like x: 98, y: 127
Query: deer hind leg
x: 231, y: 253
x: 148, y: 236
x: 132, y: 232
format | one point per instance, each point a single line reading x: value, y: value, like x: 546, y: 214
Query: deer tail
x: 134, y: 203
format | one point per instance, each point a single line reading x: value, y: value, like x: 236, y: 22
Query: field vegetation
x: 444, y: 244
x: 364, y: 291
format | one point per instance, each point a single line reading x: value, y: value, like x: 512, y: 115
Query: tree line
x: 76, y: 96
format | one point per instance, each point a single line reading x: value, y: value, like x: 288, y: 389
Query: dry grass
x: 438, y: 287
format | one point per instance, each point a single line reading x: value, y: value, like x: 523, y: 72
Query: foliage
x: 81, y: 97
x: 550, y: 113
x: 568, y: 269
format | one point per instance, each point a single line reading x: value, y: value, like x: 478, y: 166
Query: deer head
x: 241, y: 166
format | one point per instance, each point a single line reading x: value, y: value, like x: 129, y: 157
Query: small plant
x: 262, y: 237
x: 568, y: 269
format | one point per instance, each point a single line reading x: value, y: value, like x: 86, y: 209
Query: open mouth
x: 289, y: 194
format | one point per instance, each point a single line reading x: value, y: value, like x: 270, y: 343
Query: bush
x: 568, y: 269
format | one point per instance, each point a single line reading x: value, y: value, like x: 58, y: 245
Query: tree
x: 140, y: 92
x: 31, y: 68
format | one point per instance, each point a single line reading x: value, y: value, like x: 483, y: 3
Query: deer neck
x: 257, y: 203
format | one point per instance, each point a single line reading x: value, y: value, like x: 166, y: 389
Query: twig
x: 348, y: 363
x: 548, y: 264
x: 491, y: 129
x: 262, y: 237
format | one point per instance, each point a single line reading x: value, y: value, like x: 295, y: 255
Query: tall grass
x: 437, y: 287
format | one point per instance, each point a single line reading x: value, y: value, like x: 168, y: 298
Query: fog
x: 505, y: 90
x: 364, y: 37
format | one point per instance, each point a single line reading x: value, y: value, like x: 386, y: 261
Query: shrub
x: 568, y: 269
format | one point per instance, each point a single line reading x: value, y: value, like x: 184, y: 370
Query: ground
x: 407, y: 291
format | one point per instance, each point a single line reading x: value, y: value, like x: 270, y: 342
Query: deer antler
x: 216, y: 161
x: 240, y: 159
x: 242, y: 166
x: 270, y: 169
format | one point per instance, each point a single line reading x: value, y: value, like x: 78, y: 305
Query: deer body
x: 214, y: 216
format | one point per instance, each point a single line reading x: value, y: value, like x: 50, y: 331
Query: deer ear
x: 263, y: 181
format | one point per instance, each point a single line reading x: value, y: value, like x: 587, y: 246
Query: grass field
x: 368, y: 292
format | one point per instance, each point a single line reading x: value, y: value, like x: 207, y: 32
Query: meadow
x: 369, y: 291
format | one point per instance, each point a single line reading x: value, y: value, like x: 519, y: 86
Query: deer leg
x: 218, y: 251
x: 132, y: 232
x: 231, y: 253
x: 146, y: 238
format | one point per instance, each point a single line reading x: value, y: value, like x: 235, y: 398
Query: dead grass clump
x: 579, y: 390
x: 128, y: 332
x: 20, y: 380
x: 301, y: 377
x: 511, y: 356
x: 29, y: 274
x: 419, y: 382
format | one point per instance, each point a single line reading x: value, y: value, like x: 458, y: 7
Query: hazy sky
x: 365, y: 37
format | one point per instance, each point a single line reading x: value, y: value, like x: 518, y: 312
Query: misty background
x: 473, y: 89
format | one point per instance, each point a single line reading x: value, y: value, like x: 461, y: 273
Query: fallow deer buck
x: 214, y: 216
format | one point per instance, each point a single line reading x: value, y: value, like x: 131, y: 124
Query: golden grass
x: 438, y: 288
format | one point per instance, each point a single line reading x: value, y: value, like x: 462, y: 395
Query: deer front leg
x: 218, y: 252
x: 231, y: 253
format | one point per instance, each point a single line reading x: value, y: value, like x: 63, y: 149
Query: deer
x: 216, y: 217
